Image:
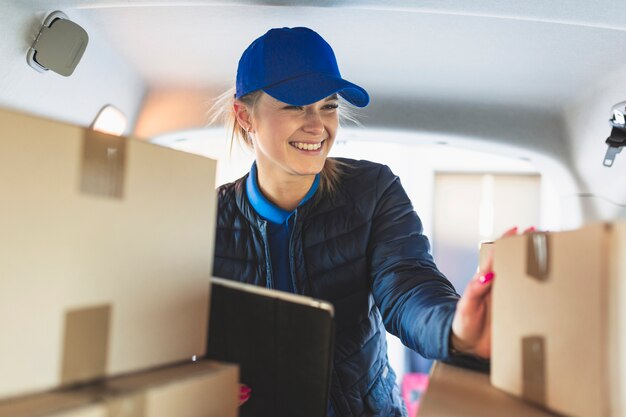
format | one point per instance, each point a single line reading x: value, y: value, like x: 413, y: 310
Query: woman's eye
x: 293, y: 107
x: 331, y: 106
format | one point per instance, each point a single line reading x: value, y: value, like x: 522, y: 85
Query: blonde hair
x: 222, y: 111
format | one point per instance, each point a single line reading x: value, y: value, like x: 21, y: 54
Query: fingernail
x: 246, y: 389
x: 486, y: 278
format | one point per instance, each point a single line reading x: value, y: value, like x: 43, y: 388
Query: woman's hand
x: 244, y: 394
x: 471, y: 326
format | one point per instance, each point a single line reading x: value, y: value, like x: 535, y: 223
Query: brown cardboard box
x: 485, y: 253
x: 559, y: 319
x: 458, y: 392
x: 201, y: 389
x: 105, y: 256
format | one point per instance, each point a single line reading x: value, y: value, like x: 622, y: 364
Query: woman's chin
x: 312, y: 170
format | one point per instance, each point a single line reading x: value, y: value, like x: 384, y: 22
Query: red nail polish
x: 486, y: 278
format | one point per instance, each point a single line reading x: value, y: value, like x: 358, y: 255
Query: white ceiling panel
x: 529, y: 53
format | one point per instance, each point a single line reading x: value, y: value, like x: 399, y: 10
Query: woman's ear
x: 242, y: 114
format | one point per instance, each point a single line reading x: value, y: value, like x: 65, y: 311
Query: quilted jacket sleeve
x: 416, y: 301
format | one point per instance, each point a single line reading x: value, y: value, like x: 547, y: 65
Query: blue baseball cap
x: 296, y: 66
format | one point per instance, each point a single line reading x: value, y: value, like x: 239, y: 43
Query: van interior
x: 492, y: 114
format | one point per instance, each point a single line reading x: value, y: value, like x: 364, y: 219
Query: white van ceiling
x: 525, y: 53
x: 537, y: 77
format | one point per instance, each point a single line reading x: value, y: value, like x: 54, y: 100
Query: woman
x: 335, y: 229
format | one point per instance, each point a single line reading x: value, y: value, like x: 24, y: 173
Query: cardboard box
x: 458, y: 392
x: 201, y: 389
x: 105, y: 256
x: 485, y: 254
x: 559, y: 319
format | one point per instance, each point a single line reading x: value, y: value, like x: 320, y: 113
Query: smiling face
x: 292, y: 141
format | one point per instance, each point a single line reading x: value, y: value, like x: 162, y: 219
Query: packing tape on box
x: 534, y: 346
x: 103, y: 164
x: 133, y: 405
x: 86, y: 344
x: 534, y: 369
x: 538, y: 256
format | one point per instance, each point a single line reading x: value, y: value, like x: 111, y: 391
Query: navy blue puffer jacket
x: 363, y: 250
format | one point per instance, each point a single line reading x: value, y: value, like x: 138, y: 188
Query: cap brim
x: 311, y: 88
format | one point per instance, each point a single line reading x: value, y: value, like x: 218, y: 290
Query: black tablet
x: 282, y: 342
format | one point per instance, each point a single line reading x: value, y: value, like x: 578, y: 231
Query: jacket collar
x: 265, y: 208
x: 318, y: 204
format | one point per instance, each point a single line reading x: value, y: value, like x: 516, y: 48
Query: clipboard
x: 282, y: 342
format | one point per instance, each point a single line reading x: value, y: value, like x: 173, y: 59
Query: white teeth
x: 307, y: 146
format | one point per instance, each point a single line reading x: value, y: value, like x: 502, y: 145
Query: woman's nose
x: 313, y: 123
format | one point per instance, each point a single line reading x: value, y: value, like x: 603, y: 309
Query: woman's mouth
x: 306, y: 146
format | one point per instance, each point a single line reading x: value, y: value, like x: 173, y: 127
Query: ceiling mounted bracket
x: 617, y: 139
x: 59, y: 45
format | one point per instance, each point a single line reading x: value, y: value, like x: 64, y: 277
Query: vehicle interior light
x: 110, y: 120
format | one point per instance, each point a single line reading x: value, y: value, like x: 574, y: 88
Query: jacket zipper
x: 268, y: 260
x: 292, y: 263
x: 333, y: 404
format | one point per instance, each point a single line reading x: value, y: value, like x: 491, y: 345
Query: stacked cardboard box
x: 201, y: 389
x: 105, y: 256
x: 473, y: 396
x: 559, y: 319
